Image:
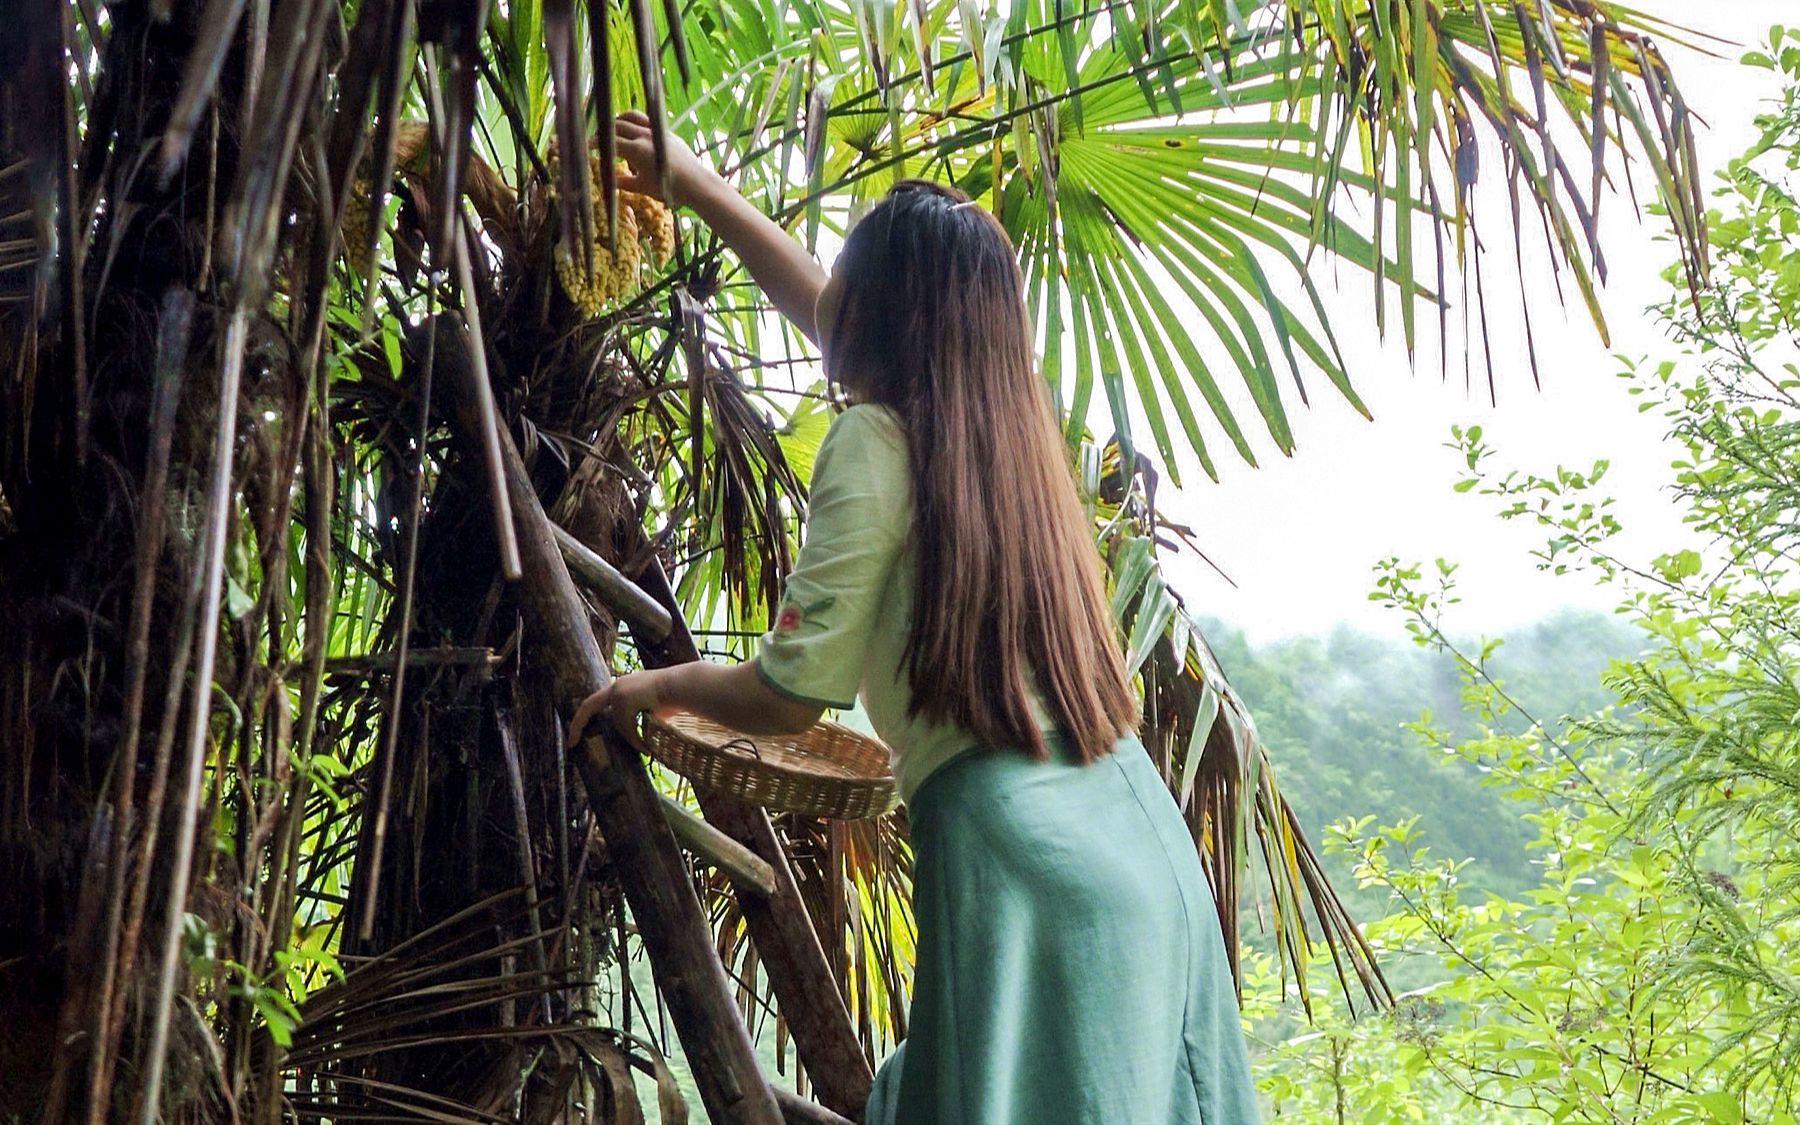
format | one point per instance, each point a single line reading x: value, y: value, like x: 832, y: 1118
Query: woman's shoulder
x: 870, y: 426
x: 864, y: 452
x: 872, y: 417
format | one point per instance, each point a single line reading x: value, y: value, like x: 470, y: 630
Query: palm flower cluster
x: 410, y: 154
x: 595, y: 274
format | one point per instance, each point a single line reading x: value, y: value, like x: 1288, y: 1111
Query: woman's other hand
x: 637, y: 144
x: 623, y: 701
x: 785, y: 269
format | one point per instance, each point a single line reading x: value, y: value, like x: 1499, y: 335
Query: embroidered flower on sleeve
x: 793, y: 614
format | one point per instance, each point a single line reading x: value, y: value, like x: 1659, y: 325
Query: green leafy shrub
x: 1650, y: 974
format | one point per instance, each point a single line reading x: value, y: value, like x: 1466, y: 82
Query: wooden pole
x: 780, y: 927
x: 648, y: 619
x: 643, y: 852
x: 798, y: 1111
x: 746, y: 870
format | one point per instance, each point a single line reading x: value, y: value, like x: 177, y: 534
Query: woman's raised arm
x: 781, y: 266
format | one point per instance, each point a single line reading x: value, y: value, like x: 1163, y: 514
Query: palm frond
x: 1176, y: 173
x: 409, y: 996
x: 1204, y: 741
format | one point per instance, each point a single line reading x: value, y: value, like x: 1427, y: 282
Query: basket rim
x: 876, y: 748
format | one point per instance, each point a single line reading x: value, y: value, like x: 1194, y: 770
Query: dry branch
x: 649, y: 865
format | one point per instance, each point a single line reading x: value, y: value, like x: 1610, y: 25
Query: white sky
x: 1299, y: 536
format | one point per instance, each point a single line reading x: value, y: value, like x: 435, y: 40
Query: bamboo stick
x: 796, y: 1110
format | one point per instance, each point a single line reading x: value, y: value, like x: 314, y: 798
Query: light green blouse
x: 847, y: 608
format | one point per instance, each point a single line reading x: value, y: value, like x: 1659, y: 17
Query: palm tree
x: 281, y: 791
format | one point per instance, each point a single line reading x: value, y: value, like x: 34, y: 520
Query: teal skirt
x: 1070, y: 967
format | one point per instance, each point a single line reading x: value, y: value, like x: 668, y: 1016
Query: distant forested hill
x: 1332, y: 710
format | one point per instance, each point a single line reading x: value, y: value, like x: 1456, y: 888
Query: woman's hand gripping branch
x: 732, y: 695
x: 624, y: 702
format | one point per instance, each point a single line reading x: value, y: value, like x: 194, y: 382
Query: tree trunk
x: 110, y: 405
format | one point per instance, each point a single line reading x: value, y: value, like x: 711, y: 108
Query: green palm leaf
x: 1207, y: 151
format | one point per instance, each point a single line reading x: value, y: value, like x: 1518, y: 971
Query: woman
x: 1070, y: 966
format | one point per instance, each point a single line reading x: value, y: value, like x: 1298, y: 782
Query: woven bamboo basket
x: 828, y: 770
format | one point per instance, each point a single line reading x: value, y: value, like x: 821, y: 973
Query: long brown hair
x: 932, y: 323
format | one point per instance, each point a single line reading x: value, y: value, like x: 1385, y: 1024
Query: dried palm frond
x: 420, y: 993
